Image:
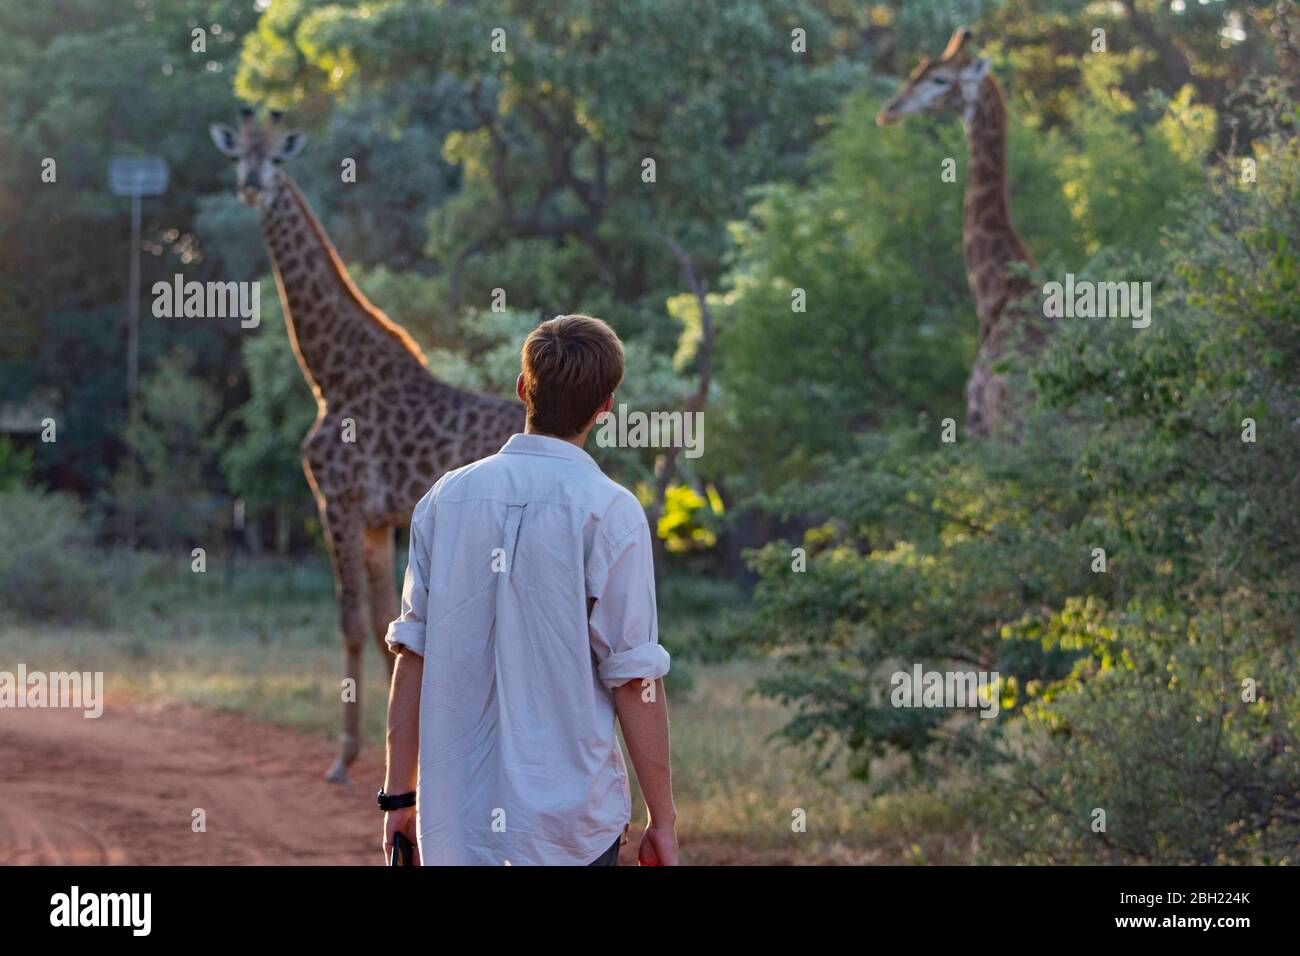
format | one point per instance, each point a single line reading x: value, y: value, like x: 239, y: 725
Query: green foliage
x: 83, y: 82
x: 49, y: 569
x: 692, y: 609
x: 925, y: 552
x: 16, y: 466
x: 1124, y: 170
x: 260, y: 457
x: 875, y: 246
x: 1129, y: 691
x: 77, y: 366
x: 1215, y: 48
x: 493, y: 364
x: 688, y: 518
x: 884, y: 291
x: 161, y: 492
x: 551, y: 205
x: 1178, y: 725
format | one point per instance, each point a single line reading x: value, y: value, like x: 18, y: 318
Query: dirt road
x: 123, y: 788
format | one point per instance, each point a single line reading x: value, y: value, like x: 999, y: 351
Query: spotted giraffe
x: 960, y: 82
x: 385, y: 428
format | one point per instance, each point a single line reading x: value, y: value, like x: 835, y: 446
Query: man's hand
x: 658, y: 846
x: 403, y: 822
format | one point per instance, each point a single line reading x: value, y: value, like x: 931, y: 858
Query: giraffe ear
x: 225, y: 139
x: 291, y: 145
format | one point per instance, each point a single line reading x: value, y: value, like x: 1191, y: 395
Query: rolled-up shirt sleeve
x: 624, y: 621
x: 409, y: 629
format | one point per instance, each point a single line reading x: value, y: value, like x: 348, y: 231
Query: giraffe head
x: 949, y: 84
x: 257, y: 152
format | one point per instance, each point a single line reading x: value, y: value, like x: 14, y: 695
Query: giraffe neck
x: 330, y: 321
x: 990, y: 241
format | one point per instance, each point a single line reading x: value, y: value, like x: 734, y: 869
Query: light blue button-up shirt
x: 530, y: 594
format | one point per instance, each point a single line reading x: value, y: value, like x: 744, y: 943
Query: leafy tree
x: 77, y: 364
x: 1153, y: 44
x: 562, y: 120
x: 260, y: 457
x: 161, y: 496
x: 1195, y: 462
x: 1125, y: 170
x: 872, y: 253
x: 1162, y: 690
x: 83, y: 82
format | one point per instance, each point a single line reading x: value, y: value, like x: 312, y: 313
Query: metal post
x: 133, y: 329
x: 135, y: 176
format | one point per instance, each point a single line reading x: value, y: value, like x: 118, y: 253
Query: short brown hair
x: 571, y: 364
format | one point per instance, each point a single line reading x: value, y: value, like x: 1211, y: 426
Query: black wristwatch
x: 398, y: 801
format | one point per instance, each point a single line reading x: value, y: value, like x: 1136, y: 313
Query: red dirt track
x: 121, y: 789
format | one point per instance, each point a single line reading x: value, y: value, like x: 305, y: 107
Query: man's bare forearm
x: 643, y: 715
x: 404, y: 724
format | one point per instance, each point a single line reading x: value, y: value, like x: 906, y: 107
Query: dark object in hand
x: 403, y: 852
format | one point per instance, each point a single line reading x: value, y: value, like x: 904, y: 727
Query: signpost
x: 135, y: 176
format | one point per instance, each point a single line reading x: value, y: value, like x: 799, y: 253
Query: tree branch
x: 666, y: 467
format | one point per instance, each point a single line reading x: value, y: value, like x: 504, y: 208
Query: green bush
x: 1163, y: 691
x: 692, y: 609
x: 16, y: 465
x: 164, y: 492
x: 49, y: 567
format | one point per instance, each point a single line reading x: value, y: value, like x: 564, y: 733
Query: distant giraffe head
x: 949, y: 84
x: 257, y: 152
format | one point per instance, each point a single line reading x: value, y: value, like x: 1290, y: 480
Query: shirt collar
x: 547, y: 446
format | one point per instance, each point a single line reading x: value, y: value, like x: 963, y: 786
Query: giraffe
x: 959, y: 81
x: 385, y: 428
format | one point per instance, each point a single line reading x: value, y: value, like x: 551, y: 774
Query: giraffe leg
x: 383, y: 596
x: 348, y: 551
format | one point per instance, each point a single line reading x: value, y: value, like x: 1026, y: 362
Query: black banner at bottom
x: 222, y: 905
